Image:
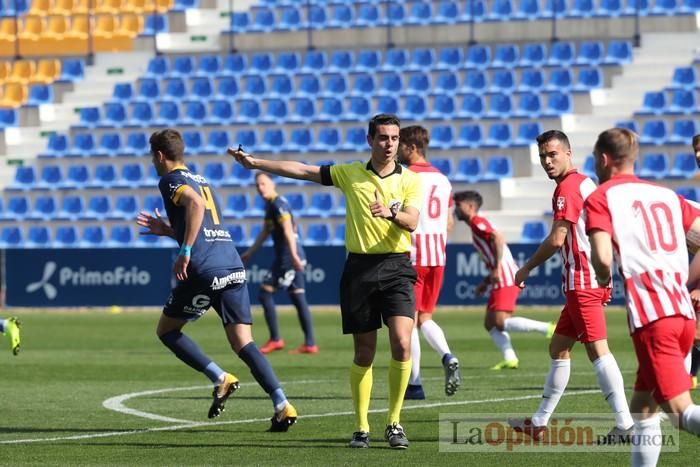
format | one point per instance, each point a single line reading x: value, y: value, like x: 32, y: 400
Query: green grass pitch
x: 52, y: 395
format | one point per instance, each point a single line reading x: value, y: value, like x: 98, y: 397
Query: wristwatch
x: 394, y: 208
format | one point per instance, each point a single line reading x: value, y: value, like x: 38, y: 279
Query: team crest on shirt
x: 481, y: 226
x: 560, y: 203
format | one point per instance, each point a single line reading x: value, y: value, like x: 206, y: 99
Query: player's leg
x: 519, y: 324
x: 10, y: 327
x: 695, y: 355
x: 498, y: 309
x: 233, y: 306
x: 414, y: 390
x: 592, y: 331
x: 647, y: 426
x: 267, y: 300
x: 297, y: 294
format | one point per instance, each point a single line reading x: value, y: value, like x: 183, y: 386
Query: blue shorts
x: 226, y: 291
x: 284, y: 276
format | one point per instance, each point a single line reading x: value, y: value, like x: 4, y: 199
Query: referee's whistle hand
x: 241, y: 157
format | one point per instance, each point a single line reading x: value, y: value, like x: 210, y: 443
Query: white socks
x: 415, y: 358
x: 502, y: 341
x: 646, y: 454
x: 435, y: 337
x: 554, y: 386
x: 690, y: 419
x: 519, y: 324
x: 610, y: 381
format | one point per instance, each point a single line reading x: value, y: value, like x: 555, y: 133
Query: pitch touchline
x: 255, y: 420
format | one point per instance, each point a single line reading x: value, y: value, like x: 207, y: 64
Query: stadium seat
x: 51, y: 178
x: 363, y: 84
x: 527, y: 134
x: 529, y: 105
x: 98, y: 207
x: 423, y: 59
x: 320, y: 204
x: 120, y: 236
x: 38, y: 236
x: 395, y: 60
x: 56, y: 146
x: 472, y: 106
x: 309, y: 84
x: 504, y: 56
x: 17, y: 207
x: 502, y: 81
x: 65, y: 237
x: 479, y: 57
x: 40, y: 94
x: 501, y: 10
x: 220, y: 113
x: 654, y: 132
x: 115, y: 115
x: 327, y: 141
x: 317, y: 234
x: 500, y: 106
x: 44, y: 208
x: 217, y: 142
x: 93, y: 236
x: 201, y: 87
x: 499, y: 136
x: 531, y: 80
x: 263, y: 20
x: 300, y: 140
x: 83, y: 145
x: 609, y: 9
x: 275, y: 111
x: 340, y: 61
x: 341, y: 16
x: 25, y: 178
x: 368, y: 60
x: 72, y: 70
x: 272, y: 141
x: 446, y: 82
x: 226, y: 88
x: 355, y: 140
x: 194, y: 142
x: 339, y: 235
x: 654, y: 166
x: 469, y: 137
x: 684, y: 166
x: 367, y: 15
x: 441, y: 137
x: 689, y: 193
x: 654, y: 103
x: 89, y: 117
x: 419, y: 84
x: 533, y: 232
x: 237, y: 205
x: 11, y: 237
x: 559, y: 80
x: 444, y: 165
x: 314, y: 61
x: 331, y: 109
x: 234, y: 64
x: 682, y: 102
x: 215, y: 173
x: 682, y: 132
x: 588, y: 78
x: 125, y: 207
x: 109, y: 146
x: 558, y: 103
x: 498, y: 167
x: 175, y: 89
x: 590, y: 53
x: 280, y: 85
x: 533, y: 55
x: 561, y: 54
x: 528, y: 10
x: 580, y: 9
x: 209, y: 65
x: 76, y: 177
x: 474, y: 81
x: 443, y: 107
x: 420, y: 14
x: 684, y: 77
x: 195, y: 114
x: 619, y: 53
x: 588, y: 168
x: 248, y: 112
x: 246, y: 138
x: 468, y: 170
x: 141, y: 115
x: 240, y: 176
x: 297, y: 202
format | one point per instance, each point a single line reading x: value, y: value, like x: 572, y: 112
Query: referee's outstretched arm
x: 289, y: 169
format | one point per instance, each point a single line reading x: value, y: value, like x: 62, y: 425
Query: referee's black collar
x: 397, y: 169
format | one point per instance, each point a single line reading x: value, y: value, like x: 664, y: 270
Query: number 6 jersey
x: 213, y: 249
x: 429, y: 239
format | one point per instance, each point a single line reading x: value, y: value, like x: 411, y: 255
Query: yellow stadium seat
x: 47, y: 71
x: 75, y: 40
x: 113, y: 7
x: 131, y: 25
x: 7, y: 37
x: 108, y: 35
x: 162, y: 6
x: 56, y: 26
x: 14, y: 95
x: 70, y: 7
x: 40, y: 7
x: 137, y: 6
x: 22, y: 71
x: 5, y: 69
x: 31, y: 27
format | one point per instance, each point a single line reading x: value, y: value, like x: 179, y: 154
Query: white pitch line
x: 255, y: 420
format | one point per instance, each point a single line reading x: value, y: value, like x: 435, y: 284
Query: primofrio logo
x: 84, y: 277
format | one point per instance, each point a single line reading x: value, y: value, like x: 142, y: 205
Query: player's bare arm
x: 498, y: 243
x: 405, y: 217
x: 290, y: 238
x: 155, y: 224
x: 550, y: 245
x: 289, y: 169
x: 194, y: 214
x: 259, y: 240
x: 601, y: 256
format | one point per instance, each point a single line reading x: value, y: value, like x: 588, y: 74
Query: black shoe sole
x: 218, y: 405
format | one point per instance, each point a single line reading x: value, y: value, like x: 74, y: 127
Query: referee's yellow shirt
x: 364, y: 233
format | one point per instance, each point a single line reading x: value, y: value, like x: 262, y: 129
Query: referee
x: 383, y: 200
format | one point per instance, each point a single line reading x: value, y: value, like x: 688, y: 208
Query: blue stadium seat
x: 89, y: 117
x: 263, y: 20
x: 40, y: 94
x: 502, y: 81
x: 234, y: 64
x: 588, y: 78
x: 557, y: 8
x: 609, y: 9
x: 654, y: 166
x: 684, y: 77
x: 175, y: 89
x: 619, y: 53
x: 558, y: 103
x: 654, y: 103
x: 479, y: 56
x: 442, y: 137
x: 261, y: 62
x: 300, y: 140
x: 287, y: 62
x: 220, y: 113
x: 153, y: 202
x: 11, y: 237
x: 689, y: 192
x: 83, y: 145
x: 254, y: 86
x: 105, y: 176
x: 246, y: 138
x: 17, y: 207
x: 472, y: 106
x: 341, y: 61
x: 195, y: 113
x: 51, y: 178
x: 280, y: 85
x: 469, y: 136
x: 386, y: 105
x: 148, y: 89
x: 533, y: 232
x: 390, y: 83
x: 303, y: 110
x: 447, y: 12
x: 446, y: 82
x: 684, y: 166
x: 25, y: 178
x: 93, y: 236
x: 355, y: 140
x: 317, y: 234
x: 217, y: 142
x: 272, y: 140
x: 194, y: 142
x: 317, y: 17
x: 363, y: 84
x: 66, y: 236
x: 141, y: 115
x: 663, y: 8
x: 527, y: 133
x: 237, y: 205
x: 367, y: 15
x: 588, y: 168
x: 629, y: 124
x: 157, y: 67
x: 227, y: 88
x: 155, y: 24
x: 297, y: 202
x: 110, y: 145
x: 240, y: 176
x: 215, y: 173
x: 474, y: 81
x: 498, y: 167
x: 237, y: 235
x: 580, y: 9
x: 395, y: 14
x: 331, y: 109
x: 72, y: 208
x: 339, y: 235
x: 654, y: 132
x: 44, y: 208
x: 98, y: 207
x: 468, y: 170
x: 561, y: 54
x: 500, y: 106
x: 590, y: 53
x: 414, y: 107
x: 682, y: 102
x: 309, y: 84
x: 76, y: 177
x: 395, y: 60
x: 289, y: 18
x: 115, y: 115
x: 275, y: 111
x: 449, y: 58
x: 257, y: 208
x: 529, y: 10
x: 57, y: 146
x: 474, y: 11
x: 136, y: 144
x: 151, y: 178
x: 38, y: 236
x: 72, y: 70
x: 120, y: 236
x: 418, y: 83
x: 499, y: 136
x: 533, y: 55
x: 420, y: 14
x: 682, y: 132
x: 559, y: 80
x: 443, y: 107
x: 328, y: 140
x: 125, y: 207
x: 201, y: 87
x: 239, y: 21
x: 444, y: 165
x: 182, y: 66
x: 335, y: 85
x: 501, y: 10
x: 314, y: 61
x: 208, y: 65
x: 341, y: 16
x: 529, y: 105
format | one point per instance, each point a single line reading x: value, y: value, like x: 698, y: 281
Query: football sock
x: 435, y: 337
x: 2, y: 325
x: 554, y: 386
x: 398, y: 380
x: 304, y: 314
x: 415, y: 358
x: 189, y: 352
x: 519, y: 324
x: 695, y: 360
x: 610, y: 381
x: 502, y: 341
x: 646, y: 454
x: 262, y: 372
x: 268, y: 303
x: 690, y: 419
x: 361, y: 388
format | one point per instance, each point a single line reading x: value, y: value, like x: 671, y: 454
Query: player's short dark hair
x: 696, y: 139
x: 382, y: 119
x: 416, y: 135
x: 469, y: 195
x: 550, y: 135
x: 618, y: 143
x: 169, y: 142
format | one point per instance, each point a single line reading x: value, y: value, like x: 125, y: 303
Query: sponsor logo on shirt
x: 217, y: 233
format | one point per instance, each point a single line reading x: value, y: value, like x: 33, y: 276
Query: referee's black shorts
x: 374, y: 288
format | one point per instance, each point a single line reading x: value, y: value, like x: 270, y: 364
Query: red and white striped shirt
x: 647, y: 224
x: 482, y: 233
x: 567, y: 205
x: 430, y: 237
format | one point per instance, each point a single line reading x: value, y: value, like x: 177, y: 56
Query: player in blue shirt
x: 210, y: 274
x: 287, y: 270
